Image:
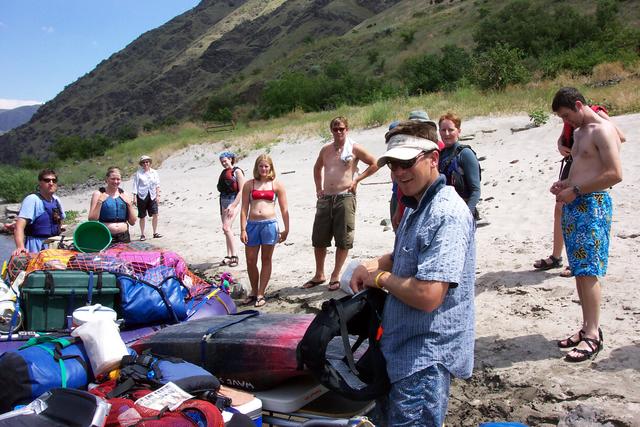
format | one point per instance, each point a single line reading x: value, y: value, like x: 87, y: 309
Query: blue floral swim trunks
x: 586, y: 223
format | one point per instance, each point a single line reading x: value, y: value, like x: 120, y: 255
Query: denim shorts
x: 226, y: 200
x: 263, y: 232
x: 421, y: 399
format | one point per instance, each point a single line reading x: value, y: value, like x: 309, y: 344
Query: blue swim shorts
x: 263, y: 232
x: 586, y: 223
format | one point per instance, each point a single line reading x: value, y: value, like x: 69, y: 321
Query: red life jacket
x: 227, y: 183
x: 567, y: 130
x: 191, y: 413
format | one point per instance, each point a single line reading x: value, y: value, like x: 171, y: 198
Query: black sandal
x: 225, y: 261
x: 544, y: 264
x: 233, y: 261
x: 568, y: 342
x: 594, y: 348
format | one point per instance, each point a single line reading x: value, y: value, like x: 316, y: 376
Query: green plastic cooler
x: 48, y: 297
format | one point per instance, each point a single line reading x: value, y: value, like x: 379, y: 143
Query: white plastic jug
x: 103, y: 344
x: 346, y: 276
x: 85, y: 314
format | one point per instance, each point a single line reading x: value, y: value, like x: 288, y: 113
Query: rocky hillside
x: 225, y: 49
x: 168, y: 72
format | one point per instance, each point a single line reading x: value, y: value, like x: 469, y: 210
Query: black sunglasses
x: 394, y: 164
x: 54, y: 180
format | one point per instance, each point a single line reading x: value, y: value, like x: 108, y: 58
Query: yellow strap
x: 213, y: 293
x: 220, y: 300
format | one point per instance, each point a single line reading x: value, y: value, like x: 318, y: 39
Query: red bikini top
x: 269, y: 195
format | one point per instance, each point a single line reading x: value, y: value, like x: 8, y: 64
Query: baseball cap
x: 408, y: 139
x: 143, y: 158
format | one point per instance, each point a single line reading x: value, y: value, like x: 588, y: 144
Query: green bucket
x: 91, y: 236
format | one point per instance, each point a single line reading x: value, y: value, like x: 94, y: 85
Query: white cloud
x: 8, y: 104
x: 47, y: 29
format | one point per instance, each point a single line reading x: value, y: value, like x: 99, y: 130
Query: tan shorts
x: 335, y: 218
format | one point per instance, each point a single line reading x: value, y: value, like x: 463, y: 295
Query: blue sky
x: 47, y: 44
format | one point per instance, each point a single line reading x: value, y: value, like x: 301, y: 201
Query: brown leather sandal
x: 545, y: 264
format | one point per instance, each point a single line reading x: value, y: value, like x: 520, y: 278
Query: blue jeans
x: 420, y: 399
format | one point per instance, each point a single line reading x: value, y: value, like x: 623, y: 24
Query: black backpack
x: 453, y: 171
x: 358, y: 315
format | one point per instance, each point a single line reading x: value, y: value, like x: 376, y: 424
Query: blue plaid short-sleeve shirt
x: 435, y: 241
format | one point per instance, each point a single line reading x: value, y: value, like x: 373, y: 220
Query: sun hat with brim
x: 408, y: 139
x: 143, y: 158
x: 421, y: 116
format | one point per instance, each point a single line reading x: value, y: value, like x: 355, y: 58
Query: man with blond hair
x: 336, y: 179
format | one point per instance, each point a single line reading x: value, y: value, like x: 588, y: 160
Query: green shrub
x: 483, y: 12
x: 606, y: 14
x: 500, y: 66
x: 126, y: 132
x: 432, y: 72
x: 372, y: 56
x: 160, y: 123
x: 71, y: 217
x: 219, y: 109
x: 538, y: 117
x: 78, y: 148
x: 33, y: 163
x: 16, y: 183
x: 335, y: 86
x: 408, y: 35
x: 612, y: 46
x: 535, y: 29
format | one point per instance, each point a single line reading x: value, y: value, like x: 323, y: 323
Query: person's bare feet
x: 333, y: 285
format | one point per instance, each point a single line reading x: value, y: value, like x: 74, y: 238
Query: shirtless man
x: 586, y: 214
x: 333, y: 174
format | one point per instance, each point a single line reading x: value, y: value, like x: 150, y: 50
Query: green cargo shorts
x: 335, y: 218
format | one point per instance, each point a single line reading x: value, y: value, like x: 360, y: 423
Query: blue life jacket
x: 48, y: 223
x: 113, y: 209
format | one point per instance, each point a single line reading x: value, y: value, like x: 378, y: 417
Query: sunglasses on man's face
x: 336, y: 130
x: 48, y: 180
x: 394, y: 164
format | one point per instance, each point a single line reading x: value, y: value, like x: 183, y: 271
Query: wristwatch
x: 576, y: 190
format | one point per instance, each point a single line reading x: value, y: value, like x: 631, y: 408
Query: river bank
x: 520, y: 313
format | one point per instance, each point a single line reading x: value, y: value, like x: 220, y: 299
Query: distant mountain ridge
x: 15, y: 117
x: 169, y: 71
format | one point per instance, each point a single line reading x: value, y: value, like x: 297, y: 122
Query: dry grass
x: 609, y: 71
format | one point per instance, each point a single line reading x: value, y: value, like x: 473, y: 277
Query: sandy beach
x: 519, y: 374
